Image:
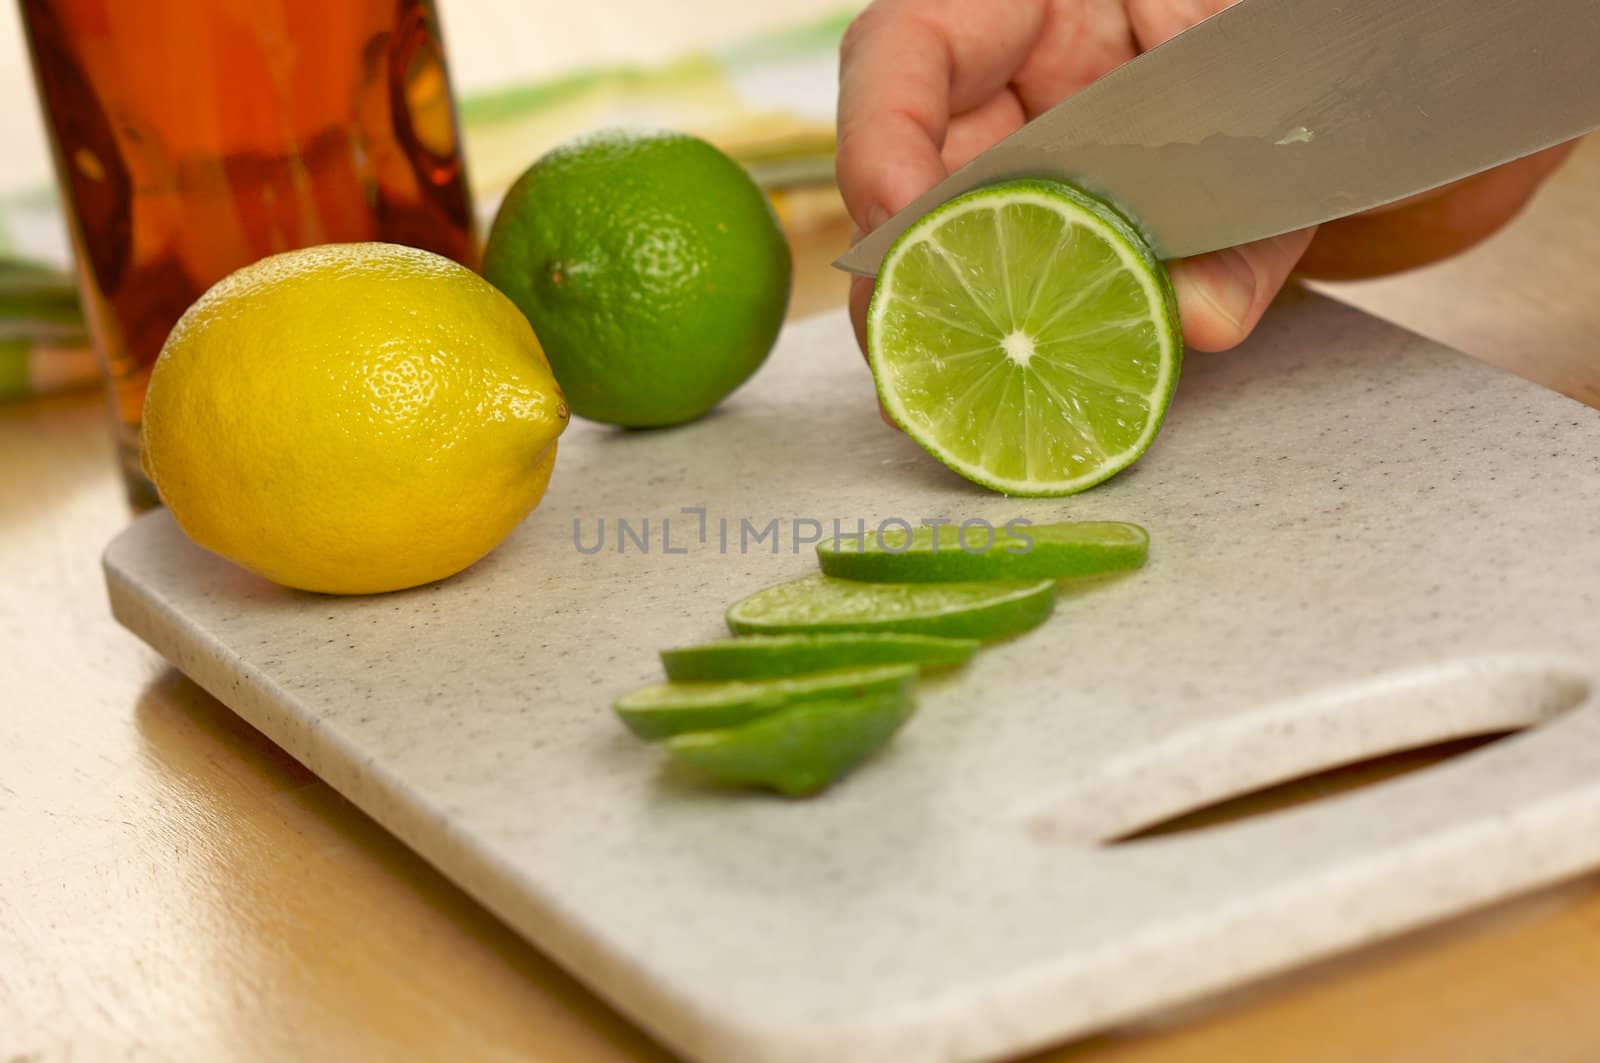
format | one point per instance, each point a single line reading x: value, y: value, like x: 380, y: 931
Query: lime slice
x: 760, y: 656
x: 672, y: 708
x: 949, y: 552
x: 800, y: 750
x: 1026, y: 336
x: 955, y: 610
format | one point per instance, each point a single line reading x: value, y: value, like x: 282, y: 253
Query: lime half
x: 672, y: 708
x: 978, y: 552
x: 758, y: 656
x: 955, y: 610
x: 800, y: 750
x: 1026, y: 336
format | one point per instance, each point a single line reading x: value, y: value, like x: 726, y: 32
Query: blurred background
x: 502, y: 44
x: 756, y: 79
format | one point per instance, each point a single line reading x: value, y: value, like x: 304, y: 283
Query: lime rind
x: 664, y: 709
x: 771, y: 656
x: 948, y: 553
x: 820, y: 604
x: 981, y: 312
x: 801, y: 749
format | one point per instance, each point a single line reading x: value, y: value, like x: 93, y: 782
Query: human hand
x: 925, y: 85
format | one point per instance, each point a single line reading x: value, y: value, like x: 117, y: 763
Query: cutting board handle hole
x: 1346, y: 778
x: 1315, y: 747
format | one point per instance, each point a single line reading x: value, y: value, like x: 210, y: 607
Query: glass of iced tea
x: 192, y: 137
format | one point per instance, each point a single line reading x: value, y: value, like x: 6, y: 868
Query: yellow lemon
x: 352, y: 418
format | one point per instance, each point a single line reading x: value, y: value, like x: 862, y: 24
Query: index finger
x: 904, y: 69
x: 894, y: 91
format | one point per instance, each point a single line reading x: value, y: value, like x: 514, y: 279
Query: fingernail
x: 1233, y: 289
x: 877, y: 214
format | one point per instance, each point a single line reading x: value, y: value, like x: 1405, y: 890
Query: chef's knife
x: 1278, y: 114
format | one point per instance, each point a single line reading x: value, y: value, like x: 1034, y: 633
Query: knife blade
x: 1278, y: 114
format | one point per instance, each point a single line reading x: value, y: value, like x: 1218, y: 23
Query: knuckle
x: 850, y: 43
x: 865, y: 25
x: 847, y: 146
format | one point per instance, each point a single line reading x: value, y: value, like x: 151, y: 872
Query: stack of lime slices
x: 1026, y: 336
x: 820, y: 672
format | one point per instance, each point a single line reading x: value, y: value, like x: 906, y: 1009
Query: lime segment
x: 955, y: 610
x: 1026, y: 336
x: 950, y: 552
x: 801, y: 749
x: 760, y: 656
x: 665, y: 709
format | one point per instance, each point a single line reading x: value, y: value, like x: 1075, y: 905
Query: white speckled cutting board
x: 1360, y: 541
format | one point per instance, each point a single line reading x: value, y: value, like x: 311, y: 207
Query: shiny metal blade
x: 1277, y: 114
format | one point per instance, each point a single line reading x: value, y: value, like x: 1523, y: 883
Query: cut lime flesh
x: 800, y: 749
x: 1025, y: 335
x: 761, y: 656
x: 665, y: 709
x: 955, y: 610
x: 950, y: 552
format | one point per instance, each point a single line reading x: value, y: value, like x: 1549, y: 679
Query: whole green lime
x: 651, y: 268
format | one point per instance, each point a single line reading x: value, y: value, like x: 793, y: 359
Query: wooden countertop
x: 174, y: 886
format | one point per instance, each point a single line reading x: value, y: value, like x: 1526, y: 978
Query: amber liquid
x: 192, y: 137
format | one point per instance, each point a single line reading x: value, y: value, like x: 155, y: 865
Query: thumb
x: 1222, y: 295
